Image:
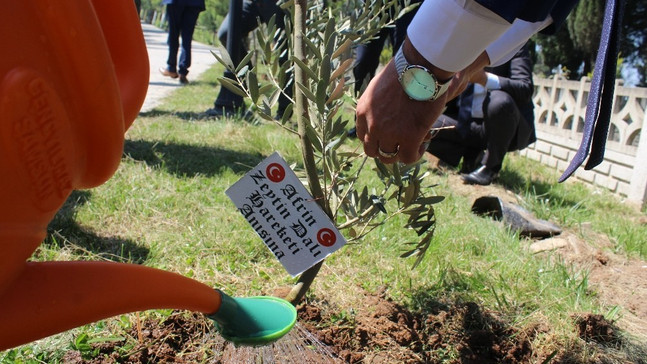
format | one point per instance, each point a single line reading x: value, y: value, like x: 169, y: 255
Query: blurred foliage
x: 574, y: 47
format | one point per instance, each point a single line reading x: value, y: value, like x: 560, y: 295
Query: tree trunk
x: 301, y: 106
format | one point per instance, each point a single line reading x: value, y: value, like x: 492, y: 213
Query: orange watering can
x: 73, y: 77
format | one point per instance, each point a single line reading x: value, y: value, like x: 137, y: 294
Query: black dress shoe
x: 471, y: 162
x: 482, y: 176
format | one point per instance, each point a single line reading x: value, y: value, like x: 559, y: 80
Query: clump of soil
x: 181, y: 338
x: 382, y: 331
x: 597, y: 328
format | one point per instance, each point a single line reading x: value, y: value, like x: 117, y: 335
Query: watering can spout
x: 51, y: 297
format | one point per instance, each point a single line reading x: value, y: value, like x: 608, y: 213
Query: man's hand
x: 388, y: 120
x: 473, y: 73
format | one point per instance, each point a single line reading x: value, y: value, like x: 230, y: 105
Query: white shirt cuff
x: 504, y: 48
x: 492, y: 82
x: 478, y: 97
x: 450, y: 36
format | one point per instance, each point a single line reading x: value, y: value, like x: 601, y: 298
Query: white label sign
x: 284, y: 214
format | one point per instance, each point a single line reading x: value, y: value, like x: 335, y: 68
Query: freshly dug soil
x: 383, y: 331
x: 380, y: 331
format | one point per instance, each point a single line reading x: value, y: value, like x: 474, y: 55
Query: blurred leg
x: 189, y: 18
x: 227, y: 99
x: 173, y: 14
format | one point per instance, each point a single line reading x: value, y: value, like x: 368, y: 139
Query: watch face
x: 418, y: 83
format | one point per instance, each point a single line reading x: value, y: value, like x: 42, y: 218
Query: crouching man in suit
x: 492, y: 116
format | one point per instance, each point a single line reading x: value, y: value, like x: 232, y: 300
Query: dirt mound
x: 382, y: 331
x: 597, y: 328
x: 617, y: 280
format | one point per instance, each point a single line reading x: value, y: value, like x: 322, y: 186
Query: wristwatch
x: 417, y: 81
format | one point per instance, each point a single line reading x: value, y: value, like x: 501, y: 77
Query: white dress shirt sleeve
x: 506, y: 46
x: 450, y: 34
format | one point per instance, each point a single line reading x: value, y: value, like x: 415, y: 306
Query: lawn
x: 166, y: 208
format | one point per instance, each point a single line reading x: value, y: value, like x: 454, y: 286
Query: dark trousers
x: 494, y: 134
x: 252, y: 13
x: 367, y: 56
x: 181, y: 22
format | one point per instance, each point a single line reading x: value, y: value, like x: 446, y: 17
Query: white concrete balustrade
x: 560, y: 107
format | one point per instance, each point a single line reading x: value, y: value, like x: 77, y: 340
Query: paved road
x: 160, y: 86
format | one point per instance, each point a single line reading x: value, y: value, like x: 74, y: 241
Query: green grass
x: 574, y: 204
x: 166, y: 207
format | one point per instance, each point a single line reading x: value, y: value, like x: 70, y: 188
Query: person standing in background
x: 182, y: 16
x: 367, y: 56
x: 254, y: 12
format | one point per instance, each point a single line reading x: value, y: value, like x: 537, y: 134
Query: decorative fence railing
x: 560, y: 107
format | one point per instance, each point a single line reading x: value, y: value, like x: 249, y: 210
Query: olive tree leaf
x: 305, y: 68
x: 324, y: 71
x: 252, y: 84
x: 330, y: 29
x: 313, y: 136
x: 337, y: 92
x: 430, y: 200
x: 223, y: 57
x: 314, y: 50
x: 243, y: 71
x: 377, y: 202
x: 245, y: 61
x: 342, y: 49
x: 341, y: 69
x: 321, y: 98
x: 266, y: 89
x: 231, y: 86
x: 306, y: 91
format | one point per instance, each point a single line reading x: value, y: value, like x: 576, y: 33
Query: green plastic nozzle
x: 254, y: 320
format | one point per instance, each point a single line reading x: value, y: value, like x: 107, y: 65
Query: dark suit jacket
x: 532, y: 10
x: 515, y: 77
x: 197, y: 3
x: 516, y: 80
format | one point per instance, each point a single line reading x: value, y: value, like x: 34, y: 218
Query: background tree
x: 557, y: 51
x: 212, y: 17
x: 574, y: 47
x: 584, y: 26
x: 632, y: 44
